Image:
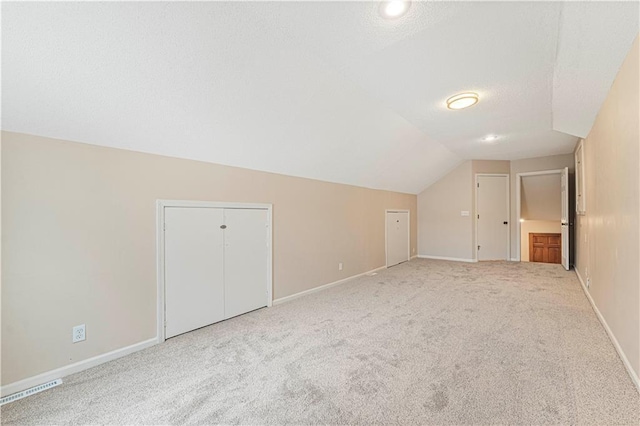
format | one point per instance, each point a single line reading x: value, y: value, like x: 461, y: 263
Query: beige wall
x: 491, y: 166
x: 553, y: 162
x: 535, y: 226
x: 608, y: 250
x: 540, y: 197
x: 443, y: 232
x: 80, y: 241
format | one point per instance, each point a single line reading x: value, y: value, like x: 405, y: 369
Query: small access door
x: 397, y: 237
x: 545, y: 247
x: 564, y: 189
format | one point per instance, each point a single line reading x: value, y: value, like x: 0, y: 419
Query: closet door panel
x: 245, y: 260
x: 194, y: 286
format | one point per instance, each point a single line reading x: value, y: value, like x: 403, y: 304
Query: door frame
x: 160, y: 206
x: 475, y: 216
x: 519, y: 177
x: 386, y: 254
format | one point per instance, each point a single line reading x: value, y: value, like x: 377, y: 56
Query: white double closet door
x: 216, y: 265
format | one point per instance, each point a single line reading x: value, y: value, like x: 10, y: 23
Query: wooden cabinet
x: 545, y: 248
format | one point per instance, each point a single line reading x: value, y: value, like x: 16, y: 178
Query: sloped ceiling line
x: 323, y: 90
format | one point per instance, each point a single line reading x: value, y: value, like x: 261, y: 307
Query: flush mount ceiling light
x: 394, y: 8
x: 490, y: 138
x: 462, y: 100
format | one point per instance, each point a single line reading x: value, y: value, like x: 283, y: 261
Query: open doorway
x: 542, y: 203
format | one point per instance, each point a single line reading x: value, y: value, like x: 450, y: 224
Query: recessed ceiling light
x: 490, y: 138
x: 462, y: 100
x: 394, y: 8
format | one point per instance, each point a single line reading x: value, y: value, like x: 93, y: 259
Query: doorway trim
x: 475, y: 211
x: 160, y: 206
x: 386, y: 255
x: 519, y: 177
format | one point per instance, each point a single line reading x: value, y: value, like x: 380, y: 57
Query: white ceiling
x: 585, y: 54
x: 329, y: 91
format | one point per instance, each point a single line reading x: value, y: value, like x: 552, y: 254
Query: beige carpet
x: 426, y: 342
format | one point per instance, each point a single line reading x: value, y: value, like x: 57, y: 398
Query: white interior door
x: 246, y: 253
x: 493, y: 217
x: 397, y: 237
x: 194, y: 290
x: 564, y: 187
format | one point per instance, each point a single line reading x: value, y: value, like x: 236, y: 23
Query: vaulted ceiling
x: 330, y: 91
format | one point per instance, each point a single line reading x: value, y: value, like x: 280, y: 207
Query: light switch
x: 464, y: 213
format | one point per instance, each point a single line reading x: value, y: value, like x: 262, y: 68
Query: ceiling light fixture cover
x: 462, y: 100
x: 394, y: 8
x: 490, y: 138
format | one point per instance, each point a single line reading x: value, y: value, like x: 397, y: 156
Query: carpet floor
x: 425, y: 342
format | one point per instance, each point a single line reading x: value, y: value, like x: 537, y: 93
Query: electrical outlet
x: 340, y: 266
x: 588, y: 282
x: 79, y: 333
x: 413, y: 250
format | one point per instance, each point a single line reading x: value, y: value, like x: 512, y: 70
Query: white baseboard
x: 612, y: 337
x: 74, y: 368
x: 453, y: 259
x: 413, y: 257
x: 514, y: 259
x: 323, y: 287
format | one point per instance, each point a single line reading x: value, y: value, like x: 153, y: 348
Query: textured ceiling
x: 594, y: 38
x: 329, y: 91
